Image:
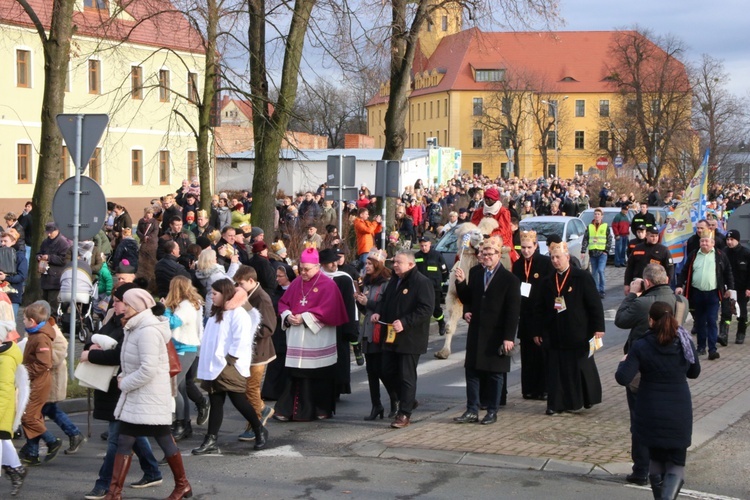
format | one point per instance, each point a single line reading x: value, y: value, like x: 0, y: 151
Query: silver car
x: 570, y: 229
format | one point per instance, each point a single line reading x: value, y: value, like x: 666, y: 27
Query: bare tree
x: 654, y: 108
x: 325, y: 109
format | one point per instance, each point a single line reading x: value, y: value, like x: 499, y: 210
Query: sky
x: 720, y: 28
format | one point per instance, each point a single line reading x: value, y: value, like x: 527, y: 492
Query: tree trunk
x: 56, y: 48
x: 270, y: 122
x: 205, y: 108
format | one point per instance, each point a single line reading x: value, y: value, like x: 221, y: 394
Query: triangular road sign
x: 92, y: 128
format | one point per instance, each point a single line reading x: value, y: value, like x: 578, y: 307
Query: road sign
x: 618, y: 161
x: 91, y: 128
x: 93, y: 208
x: 387, y: 173
x: 602, y: 163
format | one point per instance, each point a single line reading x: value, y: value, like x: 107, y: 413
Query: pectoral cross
x: 303, y: 301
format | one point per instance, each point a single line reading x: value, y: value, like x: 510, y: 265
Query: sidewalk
x: 594, y: 441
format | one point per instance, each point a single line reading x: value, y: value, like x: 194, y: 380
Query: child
x: 10, y: 361
x: 38, y: 361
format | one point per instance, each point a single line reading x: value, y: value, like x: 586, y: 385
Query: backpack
x: 8, y: 260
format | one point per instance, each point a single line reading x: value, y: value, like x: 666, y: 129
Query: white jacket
x: 146, y: 389
x: 234, y: 335
x: 191, y: 330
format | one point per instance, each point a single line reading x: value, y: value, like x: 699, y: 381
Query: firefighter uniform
x: 432, y: 265
x: 645, y: 254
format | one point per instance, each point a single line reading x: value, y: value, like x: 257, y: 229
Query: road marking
x: 689, y: 493
x: 437, y: 364
x: 280, y: 451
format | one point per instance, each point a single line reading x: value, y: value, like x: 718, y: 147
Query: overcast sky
x: 720, y: 28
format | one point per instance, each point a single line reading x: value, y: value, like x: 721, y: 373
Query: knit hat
x: 7, y: 328
x: 328, y: 256
x: 256, y: 231
x: 125, y: 268
x: 139, y: 299
x: 309, y: 256
x: 259, y: 246
x: 734, y: 234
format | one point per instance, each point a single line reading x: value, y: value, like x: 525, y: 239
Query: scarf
x: 492, y: 210
x: 687, y: 346
x: 36, y: 328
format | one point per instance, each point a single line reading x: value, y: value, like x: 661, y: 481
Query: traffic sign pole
x: 76, y: 228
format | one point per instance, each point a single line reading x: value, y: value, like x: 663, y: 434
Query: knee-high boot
x: 182, y: 488
x: 119, y: 473
x: 671, y: 486
x: 656, y: 482
x: 723, y: 338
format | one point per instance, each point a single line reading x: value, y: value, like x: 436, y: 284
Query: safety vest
x: 598, y: 237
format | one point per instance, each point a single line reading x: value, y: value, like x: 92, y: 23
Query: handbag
x: 175, y: 367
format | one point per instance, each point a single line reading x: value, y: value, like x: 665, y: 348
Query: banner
x: 691, y: 209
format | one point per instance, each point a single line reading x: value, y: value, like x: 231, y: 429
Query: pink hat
x: 309, y: 256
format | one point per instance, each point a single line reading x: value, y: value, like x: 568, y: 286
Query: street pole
x: 76, y: 228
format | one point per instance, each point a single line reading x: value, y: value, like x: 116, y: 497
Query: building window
x: 136, y: 167
x: 604, y: 107
x: 630, y: 139
x: 579, y: 139
x: 164, y: 167
x: 445, y: 138
x: 429, y: 24
x: 419, y: 111
x: 476, y: 168
x: 23, y: 68
x: 603, y: 139
x: 430, y: 109
x: 580, y: 107
x: 437, y: 111
x: 478, y: 108
x: 233, y: 165
x: 476, y: 138
x: 489, y: 75
x: 136, y: 82
x: 24, y: 164
x: 579, y: 168
x: 631, y: 107
x: 551, y: 139
x: 655, y: 107
x: 552, y: 170
x: 446, y: 106
x: 65, y: 162
x: 192, y: 164
x: 95, y: 165
x: 95, y: 77
x: 444, y: 23
x: 193, y: 87
x: 164, y: 85
x: 95, y: 4
x: 411, y: 140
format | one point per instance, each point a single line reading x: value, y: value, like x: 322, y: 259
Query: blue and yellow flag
x: 691, y: 209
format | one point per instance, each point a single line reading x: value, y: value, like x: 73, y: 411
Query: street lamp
x: 553, y: 105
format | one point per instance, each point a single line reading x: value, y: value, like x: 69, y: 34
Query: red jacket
x: 415, y: 211
x: 503, y: 228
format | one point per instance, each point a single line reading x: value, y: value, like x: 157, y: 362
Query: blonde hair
x: 206, y: 259
x: 181, y: 289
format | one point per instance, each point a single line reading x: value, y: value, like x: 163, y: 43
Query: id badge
x: 525, y: 289
x: 560, y: 304
x: 390, y: 337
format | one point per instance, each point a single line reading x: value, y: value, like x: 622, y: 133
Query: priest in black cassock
x: 569, y: 315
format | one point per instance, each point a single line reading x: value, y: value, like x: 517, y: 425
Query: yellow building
x: 142, y: 70
x: 465, y: 81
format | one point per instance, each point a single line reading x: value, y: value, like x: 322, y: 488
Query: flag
x: 691, y: 209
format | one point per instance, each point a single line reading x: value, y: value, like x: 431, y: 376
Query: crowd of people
x: 189, y: 295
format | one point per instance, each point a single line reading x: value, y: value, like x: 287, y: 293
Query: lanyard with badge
x: 560, y: 300
x: 526, y: 286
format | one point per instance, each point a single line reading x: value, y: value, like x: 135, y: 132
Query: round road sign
x: 602, y: 163
x: 93, y: 208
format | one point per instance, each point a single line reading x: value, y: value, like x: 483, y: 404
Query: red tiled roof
x: 245, y: 107
x: 160, y: 24
x: 567, y: 61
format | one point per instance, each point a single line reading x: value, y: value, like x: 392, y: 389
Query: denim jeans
x: 54, y: 413
x: 705, y: 308
x: 31, y: 448
x: 621, y: 250
x: 598, y: 263
x: 142, y: 449
x: 492, y: 390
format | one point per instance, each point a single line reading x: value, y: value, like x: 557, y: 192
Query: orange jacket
x: 365, y: 231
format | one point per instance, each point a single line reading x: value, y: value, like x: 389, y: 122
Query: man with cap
x: 739, y: 259
x: 705, y: 279
x: 312, y: 238
x: 263, y: 267
x: 463, y: 215
x: 346, y: 333
x: 640, y: 237
x: 492, y: 207
x: 52, y: 258
x: 621, y: 228
x: 432, y: 265
x: 649, y: 252
x: 346, y: 267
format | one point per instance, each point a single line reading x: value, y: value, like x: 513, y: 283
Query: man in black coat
x: 431, y: 264
x: 54, y: 253
x: 739, y: 259
x: 404, y: 312
x: 492, y: 305
x: 649, y: 252
x: 169, y: 267
x: 263, y: 267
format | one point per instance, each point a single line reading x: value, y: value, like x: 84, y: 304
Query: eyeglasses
x: 307, y: 269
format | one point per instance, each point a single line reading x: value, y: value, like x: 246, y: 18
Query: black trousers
x: 638, y: 451
x: 401, y: 372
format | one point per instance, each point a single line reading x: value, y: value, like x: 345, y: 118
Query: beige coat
x: 59, y: 389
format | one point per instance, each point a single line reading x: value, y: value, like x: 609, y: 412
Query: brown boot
x: 182, y: 488
x: 119, y: 473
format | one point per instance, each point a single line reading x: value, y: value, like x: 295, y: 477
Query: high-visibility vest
x: 598, y: 237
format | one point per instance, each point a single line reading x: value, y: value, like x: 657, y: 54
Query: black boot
x: 395, y: 406
x: 723, y: 338
x: 375, y: 412
x: 204, y: 407
x: 261, y: 438
x: 741, y: 329
x: 441, y: 327
x: 178, y: 430
x: 671, y: 486
x: 656, y: 482
x: 358, y: 356
x: 209, y: 446
x: 16, y: 476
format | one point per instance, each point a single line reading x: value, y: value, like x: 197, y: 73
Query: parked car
x: 570, y: 229
x: 609, y: 213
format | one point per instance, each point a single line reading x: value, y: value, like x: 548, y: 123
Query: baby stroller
x: 87, y: 323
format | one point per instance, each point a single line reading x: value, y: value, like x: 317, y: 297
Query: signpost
x: 82, y: 134
x: 340, y: 181
x: 602, y: 163
x: 618, y: 161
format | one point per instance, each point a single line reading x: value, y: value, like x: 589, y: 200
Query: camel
x: 469, y: 239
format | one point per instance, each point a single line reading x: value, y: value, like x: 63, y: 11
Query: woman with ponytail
x: 665, y: 358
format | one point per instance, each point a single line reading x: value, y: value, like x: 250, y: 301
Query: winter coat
x: 265, y: 271
x: 209, y: 277
x: 494, y: 317
x: 191, y: 329
x: 37, y: 357
x: 17, y: 280
x: 146, y: 396
x: 411, y: 300
x: 329, y: 217
x: 633, y: 311
x: 166, y: 269
x: 59, y: 387
x: 263, y: 350
x: 57, y: 249
x: 374, y: 292
x: 10, y: 358
x: 105, y: 280
x: 663, y: 406
x: 238, y: 218
x: 148, y: 229
x: 127, y: 249
x: 224, y: 217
